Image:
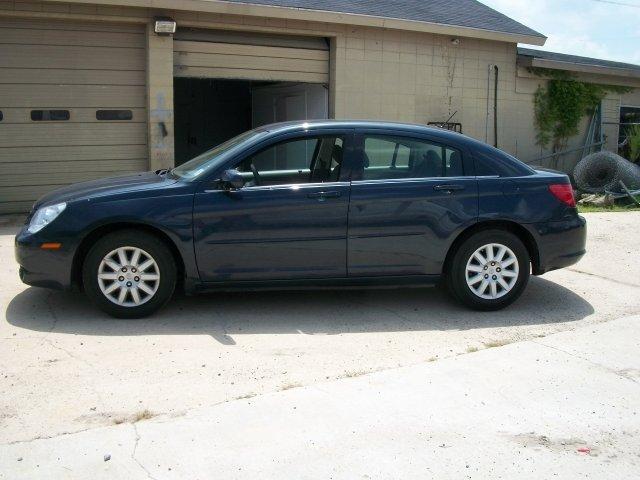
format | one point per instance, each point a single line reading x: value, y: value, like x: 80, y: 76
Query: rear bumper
x: 42, y: 268
x: 560, y: 244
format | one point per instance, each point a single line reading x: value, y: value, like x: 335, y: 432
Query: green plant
x: 633, y: 138
x: 560, y: 105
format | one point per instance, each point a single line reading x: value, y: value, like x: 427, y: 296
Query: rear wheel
x: 129, y: 274
x: 489, y: 270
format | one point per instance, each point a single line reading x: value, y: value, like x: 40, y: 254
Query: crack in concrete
x: 53, y: 314
x: 71, y: 355
x: 618, y: 373
x: 51, y: 343
x: 46, y: 437
x: 602, y: 277
x: 133, y: 453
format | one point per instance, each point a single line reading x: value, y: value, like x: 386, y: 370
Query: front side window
x: 390, y: 157
x: 210, y: 159
x: 295, y: 161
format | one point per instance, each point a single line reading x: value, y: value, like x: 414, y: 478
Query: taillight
x: 564, y: 193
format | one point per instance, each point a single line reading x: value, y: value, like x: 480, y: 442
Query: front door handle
x: 448, y: 187
x: 324, y: 195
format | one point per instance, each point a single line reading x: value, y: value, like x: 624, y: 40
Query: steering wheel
x: 256, y: 175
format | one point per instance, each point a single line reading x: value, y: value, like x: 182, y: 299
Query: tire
x: 156, y: 273
x: 467, y: 263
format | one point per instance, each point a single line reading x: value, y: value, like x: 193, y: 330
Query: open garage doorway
x: 208, y: 112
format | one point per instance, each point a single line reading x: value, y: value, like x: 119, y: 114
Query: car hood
x: 105, y: 186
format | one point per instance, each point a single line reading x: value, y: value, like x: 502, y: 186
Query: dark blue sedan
x: 299, y: 205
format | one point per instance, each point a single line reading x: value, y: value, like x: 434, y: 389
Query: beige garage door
x: 73, y: 103
x: 238, y: 55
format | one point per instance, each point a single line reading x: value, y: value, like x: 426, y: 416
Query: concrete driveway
x: 66, y: 368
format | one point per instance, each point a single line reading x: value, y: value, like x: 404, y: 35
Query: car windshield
x: 203, y: 162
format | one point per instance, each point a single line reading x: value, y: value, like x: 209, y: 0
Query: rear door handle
x: 448, y: 187
x: 324, y: 195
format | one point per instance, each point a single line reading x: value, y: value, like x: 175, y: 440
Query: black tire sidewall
x: 150, y: 244
x: 456, y: 277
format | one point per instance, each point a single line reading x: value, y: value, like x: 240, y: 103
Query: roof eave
x: 220, y: 6
x: 529, y: 61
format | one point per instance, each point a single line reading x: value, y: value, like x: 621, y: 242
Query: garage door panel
x: 69, y: 96
x: 69, y: 173
x: 77, y: 115
x: 28, y: 193
x: 19, y: 169
x: 251, y: 56
x: 250, y: 50
x: 251, y: 63
x: 71, y: 57
x: 11, y: 155
x: 89, y: 27
x: 30, y: 36
x: 82, y: 68
x: 60, y: 133
x: 245, y: 74
x: 16, y: 207
x: 72, y: 77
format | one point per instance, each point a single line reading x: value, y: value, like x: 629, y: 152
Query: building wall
x: 420, y: 78
x: 375, y: 74
x: 527, y: 82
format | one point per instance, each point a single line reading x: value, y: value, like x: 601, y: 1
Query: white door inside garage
x: 73, y: 103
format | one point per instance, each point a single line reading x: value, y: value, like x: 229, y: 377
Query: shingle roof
x: 576, y: 60
x: 463, y: 13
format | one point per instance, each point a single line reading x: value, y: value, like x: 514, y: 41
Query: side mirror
x: 232, y: 180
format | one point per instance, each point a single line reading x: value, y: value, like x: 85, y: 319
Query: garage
x: 228, y: 82
x: 73, y: 103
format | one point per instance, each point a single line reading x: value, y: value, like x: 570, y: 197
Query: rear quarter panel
x: 524, y: 200
x: 558, y: 231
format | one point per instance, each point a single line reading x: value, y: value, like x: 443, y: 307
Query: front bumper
x: 560, y: 244
x: 42, y: 268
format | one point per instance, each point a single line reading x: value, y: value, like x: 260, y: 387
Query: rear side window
x: 392, y: 157
x: 385, y: 152
x: 491, y: 162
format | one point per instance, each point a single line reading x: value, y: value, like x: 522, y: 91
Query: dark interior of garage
x: 208, y: 112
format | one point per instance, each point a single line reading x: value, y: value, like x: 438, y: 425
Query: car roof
x: 415, y: 128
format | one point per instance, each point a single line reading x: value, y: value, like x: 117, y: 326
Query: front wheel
x: 129, y: 274
x: 489, y: 270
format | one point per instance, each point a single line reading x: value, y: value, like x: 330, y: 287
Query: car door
x: 289, y: 220
x: 410, y: 196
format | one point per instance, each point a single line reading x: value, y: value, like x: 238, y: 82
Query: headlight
x: 44, y: 216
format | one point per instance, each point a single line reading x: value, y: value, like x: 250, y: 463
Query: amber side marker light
x: 51, y: 246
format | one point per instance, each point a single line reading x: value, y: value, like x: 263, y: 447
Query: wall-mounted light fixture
x: 164, y: 26
x: 455, y: 41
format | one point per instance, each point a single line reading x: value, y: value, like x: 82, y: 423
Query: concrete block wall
x: 416, y: 77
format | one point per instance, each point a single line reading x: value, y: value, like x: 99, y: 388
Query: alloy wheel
x: 128, y: 276
x: 492, y: 271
